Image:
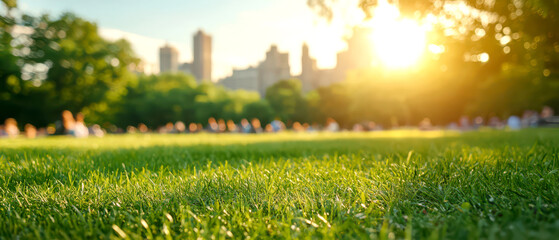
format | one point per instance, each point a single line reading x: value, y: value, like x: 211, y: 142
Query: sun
x: 397, y: 42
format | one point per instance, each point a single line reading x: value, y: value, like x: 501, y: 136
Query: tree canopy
x: 520, y: 38
x: 61, y: 64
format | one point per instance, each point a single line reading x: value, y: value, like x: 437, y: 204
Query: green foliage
x: 515, y: 33
x: 11, y: 86
x: 261, y: 110
x: 286, y: 100
x: 84, y: 72
x: 381, y: 185
x: 335, y: 101
x: 65, y: 64
x: 62, y: 64
x: 517, y: 89
x: 10, y: 3
x: 234, y: 110
x: 158, y: 99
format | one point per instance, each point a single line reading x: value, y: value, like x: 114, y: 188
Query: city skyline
x: 201, y: 65
x: 240, y: 40
x: 168, y: 59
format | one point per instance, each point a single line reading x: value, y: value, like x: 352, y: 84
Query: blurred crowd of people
x: 74, y: 125
x: 69, y: 125
x: 529, y: 119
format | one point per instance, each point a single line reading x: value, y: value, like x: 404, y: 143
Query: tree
x: 514, y: 91
x: 509, y: 30
x: 514, y: 33
x: 12, y: 88
x: 286, y: 99
x: 73, y: 68
x: 260, y: 110
x: 157, y: 99
x: 335, y: 102
x: 238, y: 100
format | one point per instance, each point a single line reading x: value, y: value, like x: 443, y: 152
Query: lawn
x: 386, y: 185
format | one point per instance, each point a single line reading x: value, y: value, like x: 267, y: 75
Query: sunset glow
x: 397, y: 42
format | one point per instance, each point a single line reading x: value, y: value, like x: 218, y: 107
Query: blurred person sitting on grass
x: 256, y: 126
x: 131, y: 130
x: 143, y: 128
x: 547, y: 112
x: 80, y: 130
x: 269, y: 128
x: 180, y: 127
x: 96, y: 130
x: 213, y: 127
x: 277, y: 125
x: 68, y: 122
x: 331, y: 125
x: 222, y: 127
x: 245, y: 126
x: 426, y: 124
x: 74, y: 127
x: 10, y: 128
x: 232, y: 127
x: 357, y: 128
x: 297, y: 127
x: 30, y: 131
x: 192, y: 128
x: 514, y: 123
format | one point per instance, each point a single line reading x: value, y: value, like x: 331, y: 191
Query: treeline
x: 54, y: 64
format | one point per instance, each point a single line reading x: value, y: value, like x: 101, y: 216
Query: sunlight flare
x: 397, y: 42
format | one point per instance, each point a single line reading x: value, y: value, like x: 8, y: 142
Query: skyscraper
x: 202, y: 64
x: 358, y: 53
x: 308, y: 70
x: 168, y: 59
x: 273, y: 69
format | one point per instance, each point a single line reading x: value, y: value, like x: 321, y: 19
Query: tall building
x: 168, y: 59
x: 308, y: 70
x: 273, y: 69
x: 357, y: 56
x: 202, y: 64
x: 246, y: 79
x: 186, y: 68
x: 359, y: 53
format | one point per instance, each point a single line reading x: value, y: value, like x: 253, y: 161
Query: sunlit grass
x: 385, y: 185
x: 142, y: 140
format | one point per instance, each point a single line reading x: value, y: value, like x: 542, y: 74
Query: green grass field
x: 386, y: 185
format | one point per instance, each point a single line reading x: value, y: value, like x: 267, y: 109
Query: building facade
x: 273, y: 69
x: 186, y: 68
x: 168, y: 59
x: 246, y: 79
x: 202, y: 61
x: 308, y: 75
x: 357, y: 55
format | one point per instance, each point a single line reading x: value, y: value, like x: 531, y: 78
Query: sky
x: 242, y: 30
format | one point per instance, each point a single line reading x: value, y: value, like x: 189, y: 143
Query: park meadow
x: 404, y: 184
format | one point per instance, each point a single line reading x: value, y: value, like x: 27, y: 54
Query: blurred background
x: 88, y: 68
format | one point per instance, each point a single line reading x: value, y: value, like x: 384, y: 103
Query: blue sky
x: 242, y: 30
